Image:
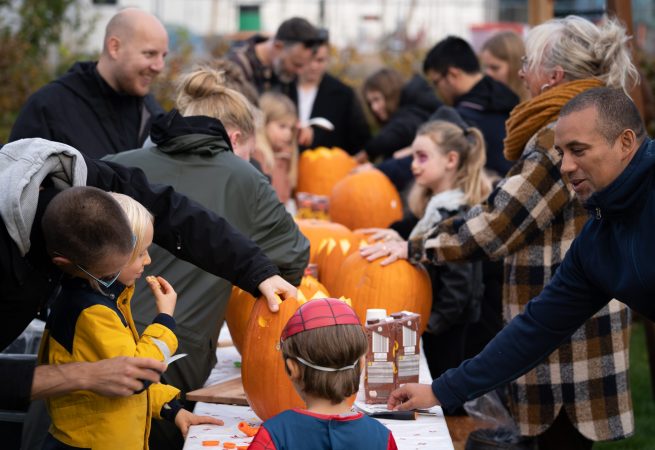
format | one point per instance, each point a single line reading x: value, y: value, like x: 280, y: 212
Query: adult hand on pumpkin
x: 276, y: 288
x: 381, y: 234
x: 393, y: 250
x: 412, y: 396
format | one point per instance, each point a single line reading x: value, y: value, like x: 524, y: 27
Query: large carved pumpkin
x: 366, y: 199
x: 265, y: 382
x: 241, y: 303
x: 321, y: 168
x: 331, y: 254
x: 318, y: 230
x: 399, y: 286
x: 237, y: 314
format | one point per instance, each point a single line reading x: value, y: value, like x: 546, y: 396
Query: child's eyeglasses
x: 104, y: 281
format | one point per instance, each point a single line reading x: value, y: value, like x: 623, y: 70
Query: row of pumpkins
x: 357, y: 200
x: 342, y: 273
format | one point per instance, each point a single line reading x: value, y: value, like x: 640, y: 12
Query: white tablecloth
x: 427, y: 432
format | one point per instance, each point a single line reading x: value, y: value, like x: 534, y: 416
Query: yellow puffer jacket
x: 86, y: 325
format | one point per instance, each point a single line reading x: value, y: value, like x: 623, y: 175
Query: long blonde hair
x: 275, y: 106
x: 508, y: 46
x: 470, y: 177
x: 583, y: 50
x: 140, y: 220
x: 203, y: 92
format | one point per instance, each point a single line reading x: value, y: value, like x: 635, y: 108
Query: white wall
x: 344, y: 18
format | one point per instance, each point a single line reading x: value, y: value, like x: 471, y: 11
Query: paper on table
x: 168, y: 359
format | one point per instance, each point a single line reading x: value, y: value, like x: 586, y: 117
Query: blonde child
x: 91, y: 320
x: 277, y: 149
x: 323, y: 346
x: 448, y: 162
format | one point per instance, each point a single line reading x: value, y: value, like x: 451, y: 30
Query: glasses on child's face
x: 106, y: 281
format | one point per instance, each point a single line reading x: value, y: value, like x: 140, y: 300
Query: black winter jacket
x: 338, y: 103
x: 182, y: 227
x: 80, y: 109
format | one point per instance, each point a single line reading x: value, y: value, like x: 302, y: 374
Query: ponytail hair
x: 203, y: 92
x: 469, y: 144
x: 583, y: 50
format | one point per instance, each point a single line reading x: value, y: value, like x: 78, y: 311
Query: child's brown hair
x: 335, y: 347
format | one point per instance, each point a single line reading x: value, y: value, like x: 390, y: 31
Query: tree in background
x: 33, y: 50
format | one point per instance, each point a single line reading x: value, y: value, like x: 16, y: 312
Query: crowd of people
x: 528, y: 178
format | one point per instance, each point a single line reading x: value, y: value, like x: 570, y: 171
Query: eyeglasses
x: 104, y: 281
x: 525, y: 62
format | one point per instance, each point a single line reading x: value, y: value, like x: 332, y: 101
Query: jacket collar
x: 626, y: 193
x: 174, y: 133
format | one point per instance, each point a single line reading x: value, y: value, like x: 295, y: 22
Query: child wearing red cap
x: 323, y: 346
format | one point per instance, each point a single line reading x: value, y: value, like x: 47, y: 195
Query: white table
x: 427, y: 432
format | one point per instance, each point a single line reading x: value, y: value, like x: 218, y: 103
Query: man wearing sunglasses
x: 32, y: 172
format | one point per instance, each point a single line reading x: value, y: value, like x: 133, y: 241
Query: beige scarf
x: 530, y: 116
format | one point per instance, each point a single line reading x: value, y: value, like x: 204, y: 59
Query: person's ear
x: 234, y: 136
x: 628, y: 142
x: 452, y: 160
x: 113, y: 46
x: 292, y: 368
x: 556, y: 76
x: 61, y: 261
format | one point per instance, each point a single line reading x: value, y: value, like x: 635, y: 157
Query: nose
x: 158, y: 64
x: 147, y: 260
x: 567, y: 165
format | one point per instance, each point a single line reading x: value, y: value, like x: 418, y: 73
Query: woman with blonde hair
x: 193, y: 153
x: 501, y: 59
x: 580, y: 393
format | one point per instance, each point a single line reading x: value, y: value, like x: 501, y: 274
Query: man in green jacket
x: 194, y: 155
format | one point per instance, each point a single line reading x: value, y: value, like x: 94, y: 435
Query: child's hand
x: 184, y: 419
x: 165, y: 296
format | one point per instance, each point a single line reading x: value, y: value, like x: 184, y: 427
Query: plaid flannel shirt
x: 530, y: 221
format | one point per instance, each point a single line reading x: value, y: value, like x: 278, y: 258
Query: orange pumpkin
x: 318, y: 230
x: 399, y: 286
x: 321, y: 168
x: 364, y: 200
x: 237, y: 315
x: 241, y: 303
x: 331, y: 254
x: 311, y: 287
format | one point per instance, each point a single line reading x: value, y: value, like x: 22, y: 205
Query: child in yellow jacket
x: 91, y: 320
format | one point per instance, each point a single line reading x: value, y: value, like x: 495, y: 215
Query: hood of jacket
x: 628, y: 191
x: 489, y: 95
x: 419, y: 94
x: 24, y: 164
x: 199, y: 135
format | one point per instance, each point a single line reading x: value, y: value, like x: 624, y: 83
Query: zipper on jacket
x: 598, y: 215
x: 178, y: 244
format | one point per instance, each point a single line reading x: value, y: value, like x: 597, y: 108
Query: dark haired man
x: 37, y: 170
x: 610, y: 163
x: 273, y: 64
x: 455, y: 72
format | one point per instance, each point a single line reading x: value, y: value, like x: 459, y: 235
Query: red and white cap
x: 318, y: 313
